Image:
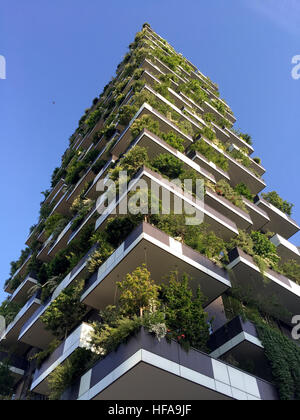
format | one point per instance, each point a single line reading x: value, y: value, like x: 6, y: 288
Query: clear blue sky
x: 67, y: 50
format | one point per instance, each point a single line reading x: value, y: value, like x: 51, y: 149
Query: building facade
x: 114, y: 217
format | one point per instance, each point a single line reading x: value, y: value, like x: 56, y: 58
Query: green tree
x: 138, y: 292
x: 185, y: 316
x: 65, y: 312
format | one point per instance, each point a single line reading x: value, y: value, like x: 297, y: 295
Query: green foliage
x: 43, y: 355
x: 243, y: 189
x: 90, y: 157
x: 284, y: 357
x: 96, y: 168
x: 127, y: 112
x: 172, y: 61
x: 204, y: 240
x: 144, y: 122
x: 223, y: 189
x: 273, y: 198
x: 241, y: 157
x: 291, y: 269
x: 103, y: 251
x: 54, y: 224
x: 186, y: 127
x: 210, y: 153
x: 74, y: 171
x: 66, y: 373
x: 9, y: 310
x: 194, y: 89
x: 118, y: 228
x: 93, y: 118
x: 139, y: 293
x: 208, y: 133
x: 131, y: 162
x: 247, y: 138
x: 6, y: 380
x: 173, y: 140
x: 65, y: 312
x: 108, y: 335
x: 80, y: 207
x: 168, y: 165
x: 45, y: 210
x: 259, y: 247
x: 15, y: 265
x: 265, y: 249
x: 185, y: 317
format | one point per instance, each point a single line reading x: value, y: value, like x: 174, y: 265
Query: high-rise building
x: 158, y: 269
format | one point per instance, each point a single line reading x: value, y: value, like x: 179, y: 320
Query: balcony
x: 61, y: 241
x: 17, y: 365
x: 56, y: 192
x: 260, y: 170
x: 92, y: 192
x: 225, y: 207
x: 238, y: 339
x: 78, y: 339
x: 277, y: 290
x: 21, y: 272
x: 11, y: 334
x: 279, y: 222
x: 33, y: 331
x: 209, y: 166
x: 177, y: 198
x: 156, y: 146
x: 258, y: 216
x: 238, y: 141
x: 175, y: 375
x: 20, y: 295
x: 285, y: 249
x: 147, y: 243
x: 238, y: 173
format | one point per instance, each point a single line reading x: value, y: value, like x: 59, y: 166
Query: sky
x: 65, y: 51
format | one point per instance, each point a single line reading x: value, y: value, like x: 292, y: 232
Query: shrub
x: 291, y: 269
x: 93, y: 118
x: 103, y: 251
x: 127, y: 112
x: 65, y: 312
x: 173, y: 140
x: 186, y: 127
x: 257, y: 160
x: 9, y: 310
x: 144, y: 122
x: 209, y: 152
x: 224, y: 189
x: 168, y: 165
x: 273, y: 198
x: 118, y: 228
x: 74, y: 171
x: 243, y: 189
x: 96, y: 168
x: 65, y: 374
x: 54, y: 221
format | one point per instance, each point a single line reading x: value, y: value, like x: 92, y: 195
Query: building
x: 159, y: 119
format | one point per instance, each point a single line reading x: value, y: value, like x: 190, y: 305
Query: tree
x: 6, y: 380
x: 65, y: 312
x: 185, y: 316
x: 138, y: 292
